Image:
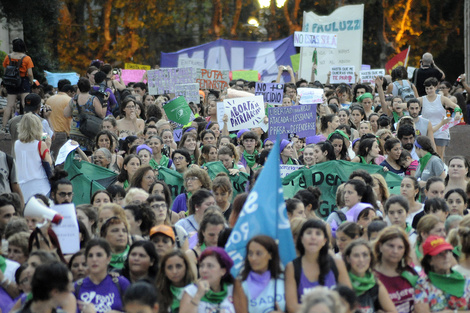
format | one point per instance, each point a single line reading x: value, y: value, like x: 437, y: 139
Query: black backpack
x: 11, y: 77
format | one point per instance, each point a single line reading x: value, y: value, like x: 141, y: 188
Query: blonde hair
x: 30, y: 128
x: 133, y: 192
x: 324, y: 296
x: 117, y: 210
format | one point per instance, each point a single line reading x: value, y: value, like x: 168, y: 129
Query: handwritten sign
x: 67, y: 232
x: 271, y: 92
x: 310, y: 95
x: 342, y: 74
x: 251, y: 76
x: 315, y: 40
x: 133, y: 66
x: 287, y: 169
x: 212, y: 79
x: 191, y: 62
x: 370, y: 75
x: 64, y: 151
x: 132, y: 76
x: 164, y: 80
x: 299, y: 120
x: 189, y: 91
x: 177, y: 134
x: 245, y: 112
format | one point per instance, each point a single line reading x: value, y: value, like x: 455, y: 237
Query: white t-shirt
x: 205, y: 307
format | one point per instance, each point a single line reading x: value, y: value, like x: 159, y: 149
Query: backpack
x: 405, y: 91
x: 11, y: 77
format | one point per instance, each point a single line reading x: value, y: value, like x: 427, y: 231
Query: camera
x: 102, y: 89
x: 284, y: 69
x: 115, y: 71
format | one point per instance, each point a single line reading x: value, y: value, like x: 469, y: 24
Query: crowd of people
x: 146, y: 247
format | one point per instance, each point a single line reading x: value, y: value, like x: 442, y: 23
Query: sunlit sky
x: 265, y: 3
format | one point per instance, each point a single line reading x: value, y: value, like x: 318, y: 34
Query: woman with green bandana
x: 442, y: 290
x: 248, y: 143
x: 368, y: 151
x: 366, y: 100
x: 158, y: 158
x: 214, y: 291
x: 371, y: 293
x: 392, y: 250
x: 287, y: 153
x: 428, y: 225
x: 340, y: 142
x: 430, y: 164
x: 229, y: 157
x: 175, y: 274
x: 115, y: 232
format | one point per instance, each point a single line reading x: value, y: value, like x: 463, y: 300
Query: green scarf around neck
x: 177, y: 293
x: 215, y: 297
x: 126, y: 184
x: 396, y: 117
x: 117, y: 260
x: 250, y: 158
x: 163, y: 162
x: 424, y: 161
x: 363, y: 159
x: 453, y: 284
x: 410, y: 277
x: 3, y: 264
x: 362, y: 284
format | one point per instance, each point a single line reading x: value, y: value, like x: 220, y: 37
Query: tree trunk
x: 236, y: 18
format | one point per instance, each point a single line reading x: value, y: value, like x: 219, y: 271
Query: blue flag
x: 264, y: 213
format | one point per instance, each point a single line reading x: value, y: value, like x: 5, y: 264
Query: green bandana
x: 117, y: 260
x: 408, y: 229
x: 362, y: 284
x: 396, y: 117
x: 215, y: 297
x: 250, y: 158
x: 177, y: 295
x: 363, y: 160
x: 193, y: 159
x: 453, y: 284
x: 3, y: 264
x: 126, y: 184
x: 424, y: 161
x: 364, y: 96
x: 411, y: 278
x: 163, y: 162
x: 342, y: 133
x: 203, y: 247
x: 289, y: 162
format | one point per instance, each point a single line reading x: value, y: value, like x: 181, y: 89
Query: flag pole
x: 406, y: 59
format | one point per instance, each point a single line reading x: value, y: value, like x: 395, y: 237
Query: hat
x: 435, y: 245
x: 224, y: 258
x: 241, y: 132
x: 141, y: 147
x: 32, y: 100
x: 353, y: 213
x: 202, y: 94
x: 284, y: 144
x: 163, y: 229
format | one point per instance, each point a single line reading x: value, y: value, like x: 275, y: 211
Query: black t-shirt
x: 423, y: 74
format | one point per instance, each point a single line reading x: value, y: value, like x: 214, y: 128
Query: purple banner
x: 297, y: 120
x: 264, y: 57
x: 271, y: 92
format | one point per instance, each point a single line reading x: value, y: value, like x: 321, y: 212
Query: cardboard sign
x: 310, y: 95
x: 271, y: 92
x: 299, y: 120
x: 164, y: 80
x: 178, y: 110
x: 370, y: 75
x: 242, y: 113
x: 133, y: 66
x: 315, y: 40
x: 342, y: 74
x: 251, y: 76
x: 64, y: 152
x: 189, y: 91
x: 67, y: 232
x: 190, y: 62
x: 212, y: 79
x: 132, y: 76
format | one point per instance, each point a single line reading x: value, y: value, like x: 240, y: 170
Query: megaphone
x: 36, y: 209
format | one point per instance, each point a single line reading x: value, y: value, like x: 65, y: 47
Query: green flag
x: 328, y: 176
x: 178, y: 110
x: 173, y: 179
x: 239, y: 181
x: 86, y: 178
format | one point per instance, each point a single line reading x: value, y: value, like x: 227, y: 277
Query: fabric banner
x: 271, y: 92
x: 173, y: 179
x: 264, y: 57
x: 401, y: 59
x: 239, y: 182
x: 299, y: 120
x: 86, y: 178
x: 347, y: 23
x: 53, y: 78
x: 178, y: 111
x: 328, y: 176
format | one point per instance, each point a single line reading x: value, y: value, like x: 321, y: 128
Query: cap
x: 435, y: 245
x: 241, y: 132
x: 163, y: 229
x: 143, y: 147
x: 32, y: 100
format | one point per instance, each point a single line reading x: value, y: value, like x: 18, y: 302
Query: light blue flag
x: 264, y: 213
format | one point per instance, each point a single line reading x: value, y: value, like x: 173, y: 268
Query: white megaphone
x: 36, y: 209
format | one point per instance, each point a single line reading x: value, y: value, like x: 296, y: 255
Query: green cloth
x: 126, y: 184
x: 215, y: 297
x: 342, y: 133
x: 363, y: 160
x: 117, y: 260
x: 250, y: 158
x: 164, y: 161
x: 289, y: 162
x: 453, y: 284
x: 3, y: 264
x: 362, y: 284
x: 365, y: 96
x: 177, y: 293
x: 396, y: 117
x: 408, y: 229
x: 193, y: 159
x: 173, y: 179
x: 424, y: 161
x: 239, y: 181
x: 411, y: 278
x: 203, y: 247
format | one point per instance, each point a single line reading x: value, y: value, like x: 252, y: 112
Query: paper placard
x: 133, y: 66
x: 189, y: 91
x: 287, y: 169
x: 190, y: 62
x: 251, y: 76
x: 212, y: 79
x: 271, y: 92
x: 177, y: 134
x: 299, y: 120
x: 64, y: 151
x: 67, y: 232
x: 410, y: 70
x: 164, y: 80
x: 132, y: 76
x: 315, y: 40
x: 310, y: 95
x: 370, y: 75
x: 342, y: 74
x: 245, y: 112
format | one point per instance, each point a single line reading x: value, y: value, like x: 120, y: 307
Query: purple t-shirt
x: 180, y: 203
x: 305, y: 285
x: 105, y: 296
x: 6, y: 302
x: 111, y: 101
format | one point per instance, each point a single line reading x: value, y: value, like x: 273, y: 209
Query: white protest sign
x: 303, y: 39
x: 342, y: 74
x: 310, y: 95
x: 190, y: 92
x: 164, y: 80
x: 370, y: 75
x: 67, y: 232
x: 190, y: 62
x: 177, y: 134
x: 410, y: 70
x: 347, y: 22
x: 245, y: 112
x: 64, y: 152
x: 287, y: 169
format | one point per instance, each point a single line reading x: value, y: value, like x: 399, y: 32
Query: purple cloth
x: 284, y: 143
x: 111, y: 101
x: 305, y: 285
x: 179, y: 204
x: 314, y: 139
x: 6, y: 302
x: 193, y: 241
x: 256, y: 283
x: 353, y: 213
x: 105, y: 296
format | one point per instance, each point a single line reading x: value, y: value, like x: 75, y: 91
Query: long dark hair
x: 152, y: 253
x: 323, y: 257
x: 274, y: 265
x: 364, y: 191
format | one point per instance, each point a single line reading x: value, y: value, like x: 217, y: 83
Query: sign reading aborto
x: 242, y: 113
x: 315, y: 40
